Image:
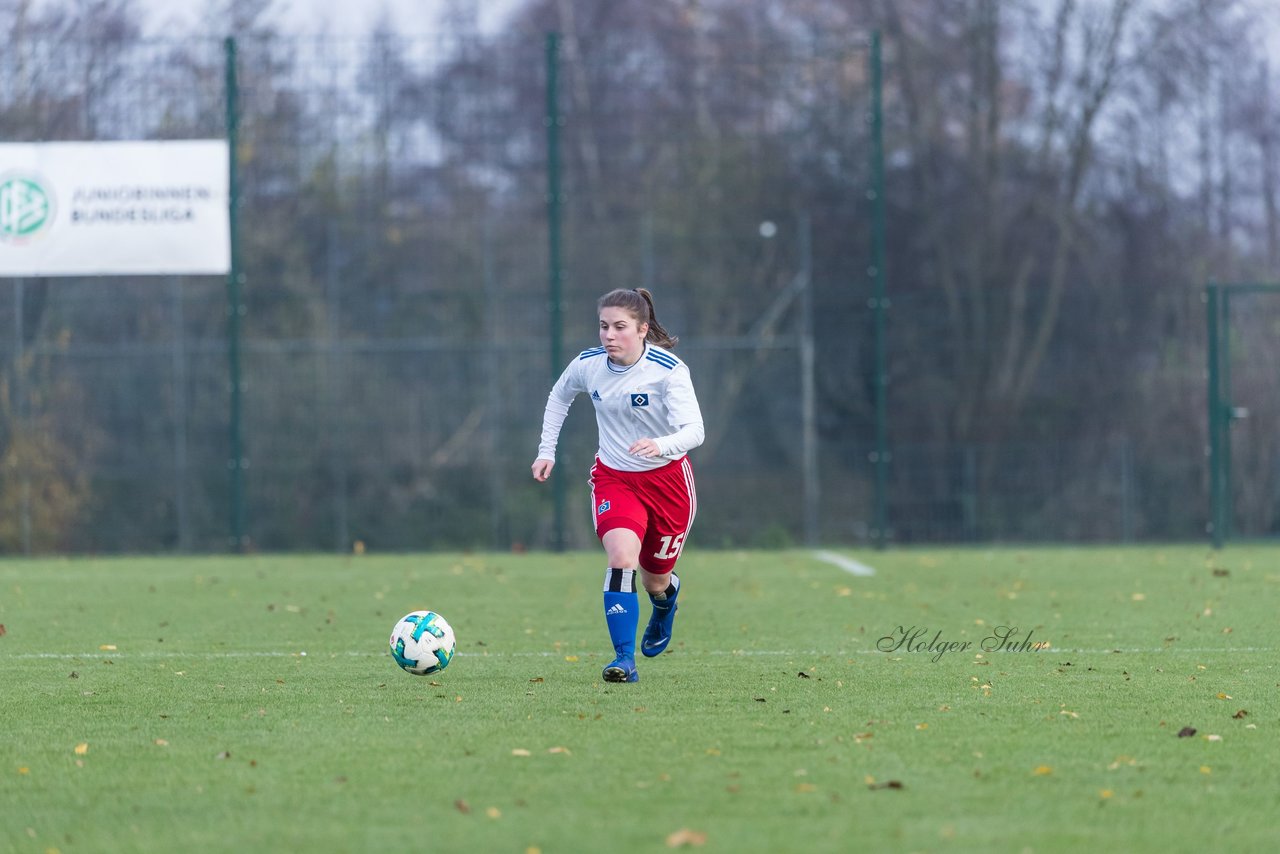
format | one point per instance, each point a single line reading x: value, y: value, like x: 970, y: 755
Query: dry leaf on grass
x: 685, y: 836
x: 1186, y: 732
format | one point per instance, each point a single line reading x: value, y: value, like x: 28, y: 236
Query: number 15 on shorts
x: 670, y: 547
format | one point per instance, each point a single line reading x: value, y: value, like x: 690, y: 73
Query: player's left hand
x: 645, y: 448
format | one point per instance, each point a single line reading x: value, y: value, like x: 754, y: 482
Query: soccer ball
x: 422, y: 643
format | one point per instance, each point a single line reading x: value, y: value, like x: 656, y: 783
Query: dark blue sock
x: 621, y: 610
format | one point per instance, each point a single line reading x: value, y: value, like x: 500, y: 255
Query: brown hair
x: 639, y: 302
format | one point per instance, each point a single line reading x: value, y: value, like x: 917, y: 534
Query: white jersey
x: 652, y: 399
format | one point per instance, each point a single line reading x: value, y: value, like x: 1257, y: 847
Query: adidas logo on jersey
x: 595, y: 395
x: 616, y: 609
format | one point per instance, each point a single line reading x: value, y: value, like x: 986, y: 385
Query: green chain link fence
x: 392, y: 300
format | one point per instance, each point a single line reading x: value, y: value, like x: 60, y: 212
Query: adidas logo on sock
x: 616, y: 608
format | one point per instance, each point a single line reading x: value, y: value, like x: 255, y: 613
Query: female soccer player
x: 642, y: 491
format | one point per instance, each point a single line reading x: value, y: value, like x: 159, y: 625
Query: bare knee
x: 622, y: 548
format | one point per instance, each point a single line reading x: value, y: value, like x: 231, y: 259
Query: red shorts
x: 657, y: 504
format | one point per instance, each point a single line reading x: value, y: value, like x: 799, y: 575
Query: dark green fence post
x: 879, y: 301
x: 1225, y: 411
x: 236, y: 461
x: 553, y: 257
x: 1215, y: 441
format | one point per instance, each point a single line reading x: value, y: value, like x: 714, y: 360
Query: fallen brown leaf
x: 887, y: 784
x: 462, y: 806
x: 1186, y: 732
x: 685, y: 836
x: 1240, y: 714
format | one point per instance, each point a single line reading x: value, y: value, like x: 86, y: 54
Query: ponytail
x: 639, y: 302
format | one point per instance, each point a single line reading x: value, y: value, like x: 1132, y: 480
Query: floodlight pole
x: 880, y: 457
x: 555, y: 274
x: 236, y: 462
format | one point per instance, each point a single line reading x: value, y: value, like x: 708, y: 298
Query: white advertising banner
x: 114, y: 208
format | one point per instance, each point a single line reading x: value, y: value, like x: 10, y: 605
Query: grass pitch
x: 963, y: 700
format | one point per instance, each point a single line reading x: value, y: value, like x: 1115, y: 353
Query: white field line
x: 848, y: 564
x: 196, y: 656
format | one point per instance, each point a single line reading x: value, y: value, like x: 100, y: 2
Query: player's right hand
x: 542, y: 469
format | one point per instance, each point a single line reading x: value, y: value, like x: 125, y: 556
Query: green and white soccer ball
x: 423, y: 642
